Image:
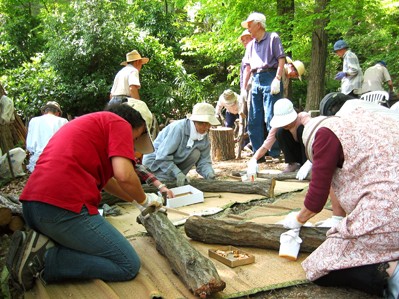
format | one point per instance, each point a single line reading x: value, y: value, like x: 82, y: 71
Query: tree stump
x: 197, y: 272
x: 222, y: 143
x: 241, y: 233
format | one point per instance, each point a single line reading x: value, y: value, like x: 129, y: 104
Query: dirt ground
x: 223, y: 169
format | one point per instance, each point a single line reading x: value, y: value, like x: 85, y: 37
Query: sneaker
x: 291, y: 167
x: 29, y: 262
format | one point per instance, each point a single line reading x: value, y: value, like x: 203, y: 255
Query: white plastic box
x: 184, y: 196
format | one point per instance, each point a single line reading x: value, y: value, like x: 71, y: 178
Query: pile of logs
x: 11, y: 218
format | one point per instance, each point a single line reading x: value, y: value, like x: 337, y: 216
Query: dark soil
x: 223, y: 170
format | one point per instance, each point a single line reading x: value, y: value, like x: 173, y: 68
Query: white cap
x: 255, y: 17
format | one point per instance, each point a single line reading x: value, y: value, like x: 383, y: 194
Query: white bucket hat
x: 143, y: 144
x: 133, y: 56
x: 229, y: 97
x: 284, y: 113
x: 204, y: 112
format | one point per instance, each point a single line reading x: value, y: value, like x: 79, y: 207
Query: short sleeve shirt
x: 127, y: 76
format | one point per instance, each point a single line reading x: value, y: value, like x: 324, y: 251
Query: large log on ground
x: 249, y: 234
x: 278, y: 176
x: 222, y: 143
x: 196, y: 271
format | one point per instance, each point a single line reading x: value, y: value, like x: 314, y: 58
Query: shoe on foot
x: 291, y: 167
x: 17, y: 240
x: 29, y: 261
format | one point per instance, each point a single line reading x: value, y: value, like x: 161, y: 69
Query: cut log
x: 5, y: 216
x: 222, y: 143
x: 249, y: 234
x: 196, y: 271
x: 16, y: 223
x: 264, y: 187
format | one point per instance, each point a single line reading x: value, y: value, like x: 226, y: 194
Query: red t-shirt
x: 76, y: 164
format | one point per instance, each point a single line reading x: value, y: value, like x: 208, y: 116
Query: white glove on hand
x: 304, y: 170
x: 275, y: 86
x: 252, y: 167
x: 290, y: 243
x: 151, y: 199
x: 291, y: 221
x: 181, y: 179
x: 330, y: 222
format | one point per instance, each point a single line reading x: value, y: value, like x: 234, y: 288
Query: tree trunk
x: 238, y: 233
x: 317, y: 68
x: 196, y: 271
x: 222, y: 143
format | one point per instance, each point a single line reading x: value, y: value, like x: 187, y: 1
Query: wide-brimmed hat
x: 284, y: 113
x: 51, y: 104
x: 229, y: 97
x: 255, y: 17
x: 299, y: 66
x: 133, y: 56
x: 204, y: 112
x: 143, y: 144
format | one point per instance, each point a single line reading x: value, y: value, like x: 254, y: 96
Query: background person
x: 355, y: 154
x: 229, y: 100
x: 41, y: 129
x: 375, y: 76
x: 183, y: 144
x: 265, y: 59
x: 60, y: 201
x: 127, y: 80
x: 351, y: 76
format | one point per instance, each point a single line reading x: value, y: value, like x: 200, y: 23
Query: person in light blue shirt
x: 183, y: 144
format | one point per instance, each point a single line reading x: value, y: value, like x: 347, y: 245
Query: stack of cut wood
x: 11, y: 218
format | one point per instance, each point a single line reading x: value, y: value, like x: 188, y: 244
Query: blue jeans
x: 230, y: 119
x: 87, y: 246
x: 261, y: 111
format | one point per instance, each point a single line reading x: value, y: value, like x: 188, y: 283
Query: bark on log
x: 240, y: 233
x: 278, y: 176
x: 264, y: 187
x: 16, y: 208
x: 196, y: 271
x: 222, y: 143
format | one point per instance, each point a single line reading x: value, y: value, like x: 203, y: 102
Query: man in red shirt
x: 60, y: 201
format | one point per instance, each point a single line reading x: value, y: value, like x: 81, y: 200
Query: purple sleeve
x: 327, y: 156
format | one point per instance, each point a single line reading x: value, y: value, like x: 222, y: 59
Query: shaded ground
x: 223, y: 170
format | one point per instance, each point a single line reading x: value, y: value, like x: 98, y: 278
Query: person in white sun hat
x: 287, y: 127
x: 183, y: 144
x: 229, y: 100
x: 127, y: 81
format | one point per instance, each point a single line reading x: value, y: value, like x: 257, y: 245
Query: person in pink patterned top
x: 356, y: 154
x: 287, y: 127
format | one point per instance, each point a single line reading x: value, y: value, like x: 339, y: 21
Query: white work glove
x: 291, y: 221
x: 181, y: 179
x: 275, y: 86
x: 330, y: 222
x: 252, y: 167
x: 304, y: 170
x: 290, y: 243
x: 151, y: 199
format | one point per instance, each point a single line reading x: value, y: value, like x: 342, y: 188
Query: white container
x: 290, y: 243
x: 184, y: 196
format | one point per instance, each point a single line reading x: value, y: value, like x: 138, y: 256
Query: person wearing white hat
x: 355, y: 154
x: 229, y: 100
x: 287, y: 128
x: 127, y: 81
x: 265, y: 59
x: 183, y: 144
x: 68, y: 238
x: 41, y: 129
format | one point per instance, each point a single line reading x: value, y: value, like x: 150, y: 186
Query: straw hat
x: 229, y: 97
x: 204, y: 112
x: 284, y: 113
x: 299, y: 66
x: 133, y: 56
x: 143, y: 144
